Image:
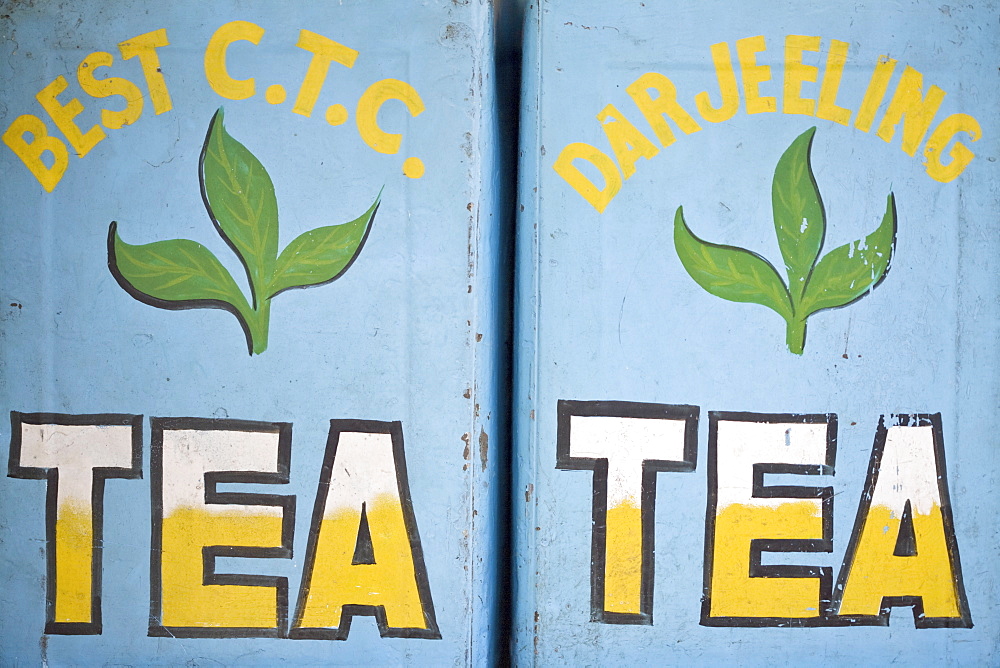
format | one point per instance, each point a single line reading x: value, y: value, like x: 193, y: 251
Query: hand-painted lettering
x: 371, y: 102
x: 625, y: 444
x: 108, y: 87
x: 46, y: 155
x: 364, y: 555
x: 193, y: 524
x: 47, y: 171
x: 747, y: 517
x: 657, y: 100
x: 144, y: 48
x: 324, y: 51
x: 903, y: 551
x: 75, y: 454
x: 216, y: 72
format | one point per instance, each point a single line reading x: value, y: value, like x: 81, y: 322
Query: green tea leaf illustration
x: 732, y: 273
x: 240, y: 199
x: 847, y: 273
x: 799, y: 220
x: 843, y: 276
x: 177, y: 270
x: 239, y: 196
x: 321, y: 255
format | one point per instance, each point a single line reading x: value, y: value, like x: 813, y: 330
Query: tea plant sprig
x: 842, y: 276
x: 240, y: 199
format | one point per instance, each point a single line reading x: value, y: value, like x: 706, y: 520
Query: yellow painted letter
x: 364, y: 553
x: 797, y: 73
x: 910, y: 106
x: 598, y: 198
x: 664, y: 104
x: 30, y: 152
x: 726, y: 75
x: 325, y: 51
x: 76, y: 454
x: 215, y: 59
x: 370, y: 103
x: 903, y: 551
x: 960, y: 155
x: 827, y: 108
x: 101, y: 88
x: 144, y: 46
x: 626, y: 141
x: 753, y: 74
x: 748, y: 518
x: 876, y: 91
x: 63, y: 115
x: 624, y: 444
x: 196, y: 525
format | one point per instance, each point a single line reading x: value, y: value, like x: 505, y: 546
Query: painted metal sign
x: 757, y: 353
x: 249, y: 350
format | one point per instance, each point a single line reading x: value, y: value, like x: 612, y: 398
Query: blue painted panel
x: 734, y: 328
x: 126, y: 370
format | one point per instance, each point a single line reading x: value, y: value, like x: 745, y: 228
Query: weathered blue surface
x: 607, y: 312
x: 407, y: 334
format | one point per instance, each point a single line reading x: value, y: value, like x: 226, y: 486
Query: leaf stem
x: 259, y: 324
x: 795, y: 335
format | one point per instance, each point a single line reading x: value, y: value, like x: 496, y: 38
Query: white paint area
x: 626, y: 443
x: 188, y: 454
x: 740, y: 445
x: 76, y: 450
x: 909, y: 471
x: 364, y: 471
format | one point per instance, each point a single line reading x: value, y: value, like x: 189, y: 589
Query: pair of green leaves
x: 239, y: 196
x: 839, y: 278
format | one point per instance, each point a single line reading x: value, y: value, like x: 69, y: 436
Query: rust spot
x: 468, y: 393
x: 484, y: 446
x: 468, y: 207
x: 528, y: 492
x: 455, y: 32
x: 532, y: 414
x: 479, y: 337
x: 536, y: 616
x: 467, y: 453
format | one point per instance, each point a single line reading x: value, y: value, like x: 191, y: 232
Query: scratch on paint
x: 484, y: 446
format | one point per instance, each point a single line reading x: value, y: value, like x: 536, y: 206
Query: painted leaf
x: 799, y: 220
x: 847, y: 273
x: 321, y: 255
x: 240, y: 199
x: 178, y: 270
x: 732, y: 273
